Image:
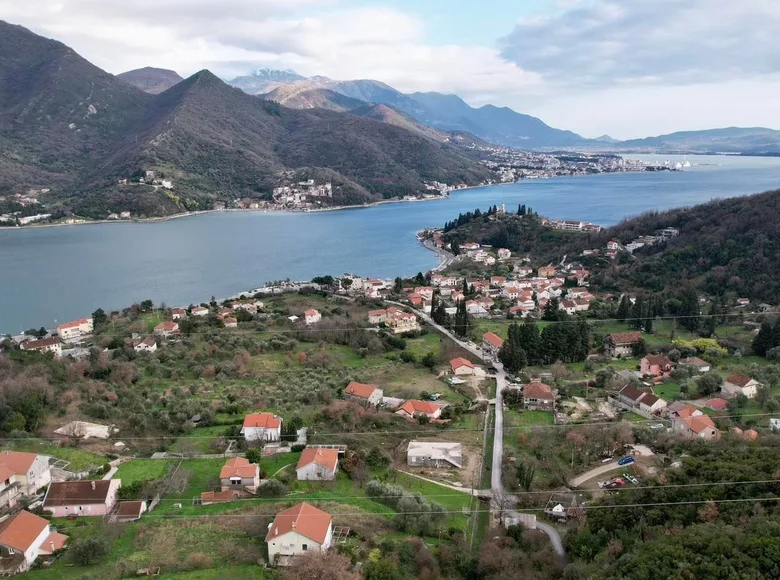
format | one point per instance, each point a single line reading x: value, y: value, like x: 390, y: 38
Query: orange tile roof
x: 360, y: 390
x: 699, y: 423
x: 687, y: 411
x: 74, y: 323
x: 265, y: 420
x: 167, y: 326
x: 238, y: 467
x: 20, y: 531
x: 625, y: 337
x: 303, y: 518
x: 217, y: 496
x: 456, y: 363
x: 492, y: 339
x: 738, y: 379
x: 327, y: 458
x: 53, y: 542
x: 538, y: 391
x: 413, y: 407
x: 311, y: 312
x: 17, y: 461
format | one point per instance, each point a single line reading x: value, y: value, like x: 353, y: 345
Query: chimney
x: 293, y: 525
x: 93, y: 486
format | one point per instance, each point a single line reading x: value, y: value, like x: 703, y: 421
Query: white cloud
x: 612, y: 42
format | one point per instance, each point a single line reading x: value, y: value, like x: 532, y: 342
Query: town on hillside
x: 494, y: 397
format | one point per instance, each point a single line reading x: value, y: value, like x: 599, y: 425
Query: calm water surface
x: 56, y: 274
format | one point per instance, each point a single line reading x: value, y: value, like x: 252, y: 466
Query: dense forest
x: 724, y: 246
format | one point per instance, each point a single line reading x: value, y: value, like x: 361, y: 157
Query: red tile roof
x: 53, y: 542
x: 360, y: 390
x: 217, y: 496
x: 130, y: 509
x: 456, y: 363
x: 716, y: 404
x: 167, y: 326
x: 412, y: 407
x: 17, y: 461
x: 238, y: 467
x: 311, y: 312
x: 538, y: 391
x: 20, y: 531
x: 264, y: 420
x: 327, y: 458
x: 43, y: 343
x: 492, y: 339
x: 303, y: 518
x: 738, y: 379
x: 699, y: 423
x: 625, y: 337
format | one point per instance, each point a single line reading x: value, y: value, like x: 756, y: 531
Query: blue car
x: 626, y: 461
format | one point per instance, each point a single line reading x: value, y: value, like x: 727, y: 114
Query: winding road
x: 496, y: 484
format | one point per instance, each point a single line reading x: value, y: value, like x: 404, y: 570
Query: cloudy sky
x: 627, y: 68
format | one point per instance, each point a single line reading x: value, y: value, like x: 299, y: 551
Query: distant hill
x: 265, y: 80
x: 387, y: 114
x: 151, y: 80
x: 304, y: 96
x: 67, y: 125
x: 755, y: 140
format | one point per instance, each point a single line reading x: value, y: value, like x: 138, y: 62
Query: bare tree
x: 75, y: 431
x: 321, y: 566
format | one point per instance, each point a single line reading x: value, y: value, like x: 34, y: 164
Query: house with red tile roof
x: 656, y: 366
x: 363, y: 393
x: 312, y: 316
x: 262, y: 427
x: 621, y: 344
x: 318, y: 464
x: 412, y: 409
x: 178, y: 313
x: 167, y: 328
x: 81, y: 498
x: 697, y: 427
x: 377, y: 316
x: 147, y: 344
x: 199, y: 311
x: 299, y: 530
x: 461, y: 366
x: 21, y: 475
x: 75, y: 328
x: 23, y: 538
x: 491, y: 344
x: 737, y: 384
x: 239, y: 475
x: 52, y: 344
x: 538, y: 397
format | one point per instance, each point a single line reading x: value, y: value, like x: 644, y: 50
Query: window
x: 305, y: 547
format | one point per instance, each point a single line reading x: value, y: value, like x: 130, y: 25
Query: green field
x: 142, y: 470
x: 79, y: 459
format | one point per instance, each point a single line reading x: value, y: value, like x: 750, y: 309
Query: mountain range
x: 151, y: 80
x: 499, y: 125
x: 68, y: 126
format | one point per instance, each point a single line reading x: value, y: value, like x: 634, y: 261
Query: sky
x: 626, y: 68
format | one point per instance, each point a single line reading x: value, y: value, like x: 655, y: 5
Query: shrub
x: 272, y: 488
x: 85, y: 551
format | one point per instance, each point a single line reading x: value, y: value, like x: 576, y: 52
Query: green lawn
x: 142, y: 470
x: 419, y: 347
x: 79, y: 459
x: 633, y: 417
x: 530, y: 418
x: 667, y: 391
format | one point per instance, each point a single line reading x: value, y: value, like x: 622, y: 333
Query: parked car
x: 626, y: 460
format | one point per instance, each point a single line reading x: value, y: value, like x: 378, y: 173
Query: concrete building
x: 369, y: 394
x: 81, y: 498
x: 262, y: 427
x: 298, y: 530
x: 434, y: 454
x: 318, y: 464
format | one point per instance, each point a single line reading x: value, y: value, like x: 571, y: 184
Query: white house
x: 318, y: 465
x: 364, y: 393
x: 53, y: 345
x: 147, y: 344
x: 430, y: 454
x: 178, y: 313
x: 412, y: 409
x: 312, y: 316
x: 240, y: 476
x: 199, y: 311
x: 504, y: 254
x: 377, y: 316
x: 300, y: 529
x: 461, y: 366
x: 774, y: 424
x: 75, y: 328
x: 167, y: 328
x: 737, y: 384
x: 262, y: 427
x: 23, y: 538
x: 21, y: 475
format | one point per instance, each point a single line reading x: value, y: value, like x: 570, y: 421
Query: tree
x: 708, y: 383
x: 328, y: 565
x: 624, y: 308
x: 525, y: 476
x: 254, y: 455
x: 764, y: 341
x: 552, y: 311
x: 99, y: 317
x: 690, y: 310
x: 85, y: 551
x: 462, y: 320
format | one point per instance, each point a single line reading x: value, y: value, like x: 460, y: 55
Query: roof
x: 74, y: 323
x: 493, y: 339
x: 716, y: 404
x: 633, y: 393
x: 20, y: 531
x: 327, y: 458
x: 264, y: 420
x: 148, y: 341
x: 451, y: 452
x: 650, y: 399
x: 17, y: 461
x: 456, y: 363
x: 695, y: 361
x: 217, y: 496
x: 167, y: 326
x: 738, y: 379
x: 360, y: 390
x: 625, y: 337
x: 413, y: 407
x: 200, y: 309
x: 238, y: 467
x: 686, y: 411
x: 658, y: 359
x: 699, y: 423
x: 311, y: 312
x: 303, y: 518
x: 377, y: 312
x: 538, y: 391
x: 53, y: 542
x: 77, y: 492
x: 43, y: 343
x: 130, y: 509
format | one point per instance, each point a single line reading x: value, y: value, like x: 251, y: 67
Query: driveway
x: 601, y: 470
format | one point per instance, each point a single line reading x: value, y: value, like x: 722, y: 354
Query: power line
x: 463, y: 494
x: 461, y: 512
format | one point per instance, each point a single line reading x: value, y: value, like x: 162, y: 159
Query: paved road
x: 595, y: 472
x: 496, y: 484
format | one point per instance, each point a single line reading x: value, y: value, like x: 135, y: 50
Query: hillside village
x: 329, y: 400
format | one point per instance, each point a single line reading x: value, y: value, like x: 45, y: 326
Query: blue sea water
x: 56, y: 274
